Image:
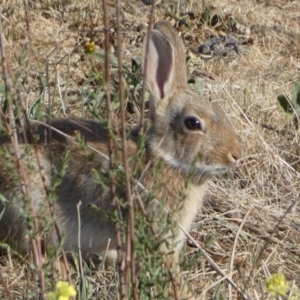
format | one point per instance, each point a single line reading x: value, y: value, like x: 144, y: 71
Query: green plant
x: 292, y: 106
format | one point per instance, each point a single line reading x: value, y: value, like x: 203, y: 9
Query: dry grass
x: 267, y: 185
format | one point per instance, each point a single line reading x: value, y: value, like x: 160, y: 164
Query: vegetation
x: 54, y: 66
x: 292, y: 106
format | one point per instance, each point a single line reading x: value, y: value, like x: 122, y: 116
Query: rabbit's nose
x: 235, y: 154
x: 234, y: 158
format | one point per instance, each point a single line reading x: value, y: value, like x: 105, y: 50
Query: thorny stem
x: 122, y: 286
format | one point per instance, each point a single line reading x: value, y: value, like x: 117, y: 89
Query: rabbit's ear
x: 160, y: 65
x: 166, y: 67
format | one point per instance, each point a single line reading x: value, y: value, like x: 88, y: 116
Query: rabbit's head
x: 188, y: 132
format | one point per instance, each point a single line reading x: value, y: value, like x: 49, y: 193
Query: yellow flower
x: 63, y: 291
x: 89, y: 47
x: 277, y: 285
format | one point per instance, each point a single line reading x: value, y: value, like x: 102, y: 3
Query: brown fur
x: 184, y: 155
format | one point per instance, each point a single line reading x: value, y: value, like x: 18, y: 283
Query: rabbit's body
x: 189, y: 140
x: 79, y: 184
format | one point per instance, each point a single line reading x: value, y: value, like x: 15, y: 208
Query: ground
x: 250, y: 224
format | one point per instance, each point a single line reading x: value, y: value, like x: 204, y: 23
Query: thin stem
x: 13, y: 135
x: 36, y: 240
x: 6, y: 287
x: 122, y: 286
x: 27, y: 19
x: 142, y: 120
x: 43, y: 179
x: 130, y: 261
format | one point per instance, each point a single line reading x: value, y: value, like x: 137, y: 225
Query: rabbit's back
x: 77, y: 170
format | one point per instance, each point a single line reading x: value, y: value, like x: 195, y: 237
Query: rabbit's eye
x: 192, y: 123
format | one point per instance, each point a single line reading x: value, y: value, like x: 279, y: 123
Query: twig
x: 15, y: 142
x: 43, y: 179
x: 142, y: 120
x: 36, y: 241
x: 233, y: 250
x: 269, y: 239
x: 60, y: 95
x: 4, y: 62
x: 266, y: 126
x: 6, y: 287
x: 259, y: 135
x: 68, y: 136
x: 79, y: 249
x: 202, y: 295
x: 130, y: 257
x: 122, y: 287
x: 27, y: 17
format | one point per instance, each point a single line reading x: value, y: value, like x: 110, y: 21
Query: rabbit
x: 188, y: 137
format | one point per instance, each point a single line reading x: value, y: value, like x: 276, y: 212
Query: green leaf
x: 100, y: 56
x: 196, y: 85
x: 209, y: 241
x: 3, y: 199
x: 136, y: 64
x: 286, y: 104
x: 296, y: 95
x: 2, y: 213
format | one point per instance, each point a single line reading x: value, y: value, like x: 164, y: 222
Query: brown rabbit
x: 189, y: 138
